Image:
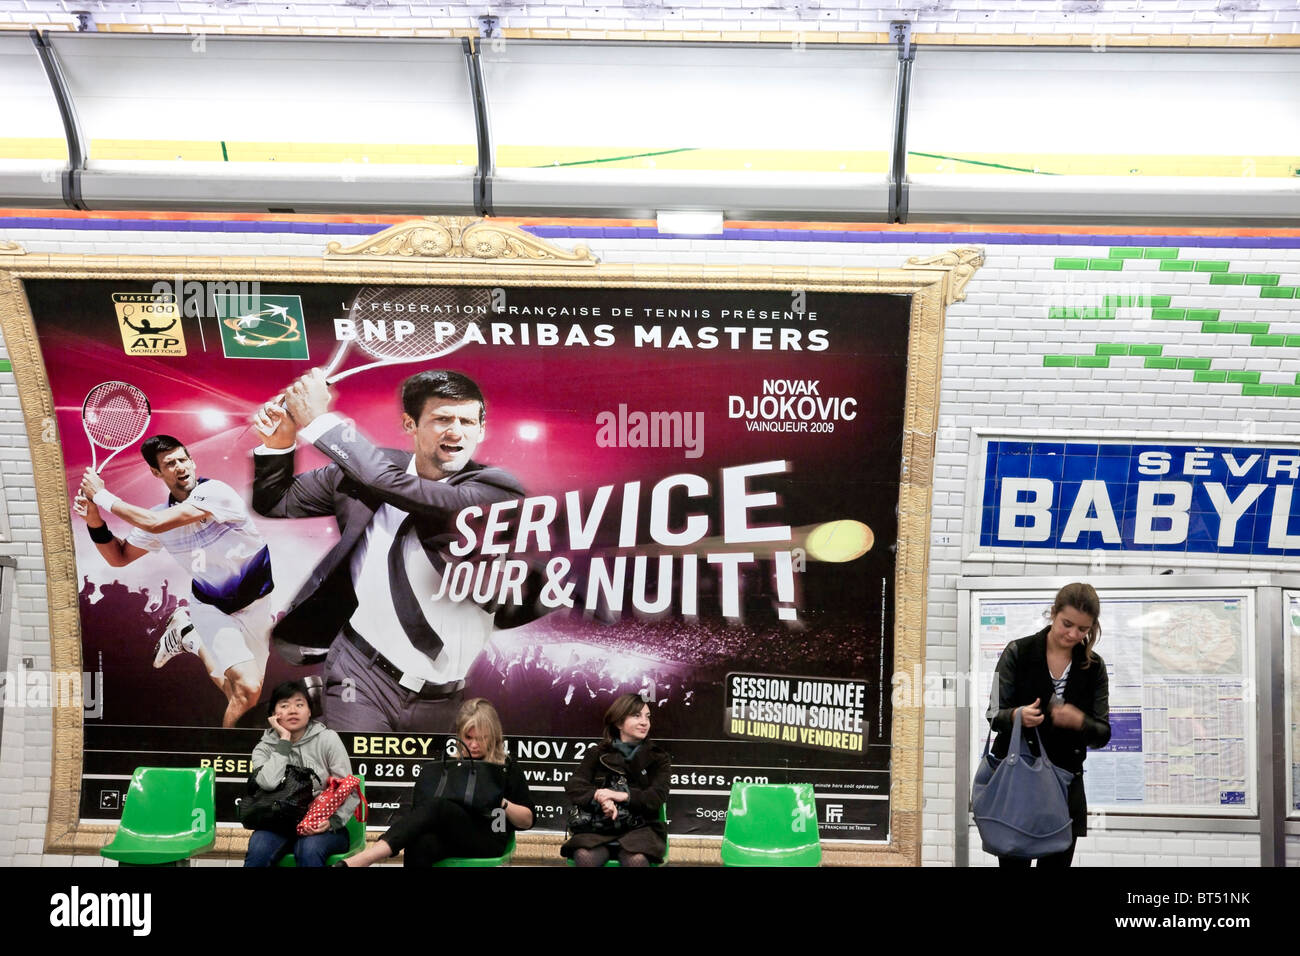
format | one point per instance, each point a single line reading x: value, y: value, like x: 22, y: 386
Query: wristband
x: 105, y: 499
x: 100, y: 534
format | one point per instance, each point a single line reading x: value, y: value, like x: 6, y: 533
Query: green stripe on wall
x: 1080, y: 312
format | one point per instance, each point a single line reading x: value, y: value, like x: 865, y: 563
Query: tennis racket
x: 114, y: 416
x: 440, y: 315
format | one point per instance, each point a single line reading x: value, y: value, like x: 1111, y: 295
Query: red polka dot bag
x: 327, y: 802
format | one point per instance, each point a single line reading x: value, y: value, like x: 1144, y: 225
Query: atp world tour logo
x: 150, y: 323
x: 264, y: 326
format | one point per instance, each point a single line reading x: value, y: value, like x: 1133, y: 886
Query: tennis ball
x: 842, y: 540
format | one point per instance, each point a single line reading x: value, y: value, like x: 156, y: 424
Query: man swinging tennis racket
x: 205, y: 526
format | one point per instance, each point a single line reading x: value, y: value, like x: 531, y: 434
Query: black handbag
x: 279, y: 810
x: 476, y: 785
x: 591, y: 819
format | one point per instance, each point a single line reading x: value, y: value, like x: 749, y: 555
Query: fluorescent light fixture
x: 699, y: 223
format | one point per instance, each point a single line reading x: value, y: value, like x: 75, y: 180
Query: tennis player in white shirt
x: 205, y: 526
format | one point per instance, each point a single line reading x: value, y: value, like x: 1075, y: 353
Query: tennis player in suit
x: 403, y: 656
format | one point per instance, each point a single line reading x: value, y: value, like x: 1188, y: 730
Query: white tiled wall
x: 1153, y: 849
x: 1258, y: 18
x: 993, y: 377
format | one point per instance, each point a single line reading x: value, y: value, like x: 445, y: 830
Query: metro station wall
x: 1100, y: 333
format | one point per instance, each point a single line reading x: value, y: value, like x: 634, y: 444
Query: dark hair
x: 156, y: 445
x: 439, y: 383
x: 1083, y: 598
x: 284, y: 691
x: 629, y: 705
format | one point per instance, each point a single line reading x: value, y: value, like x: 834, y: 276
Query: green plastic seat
x: 771, y: 825
x: 502, y: 860
x: 663, y: 818
x: 168, y: 816
x: 356, y: 837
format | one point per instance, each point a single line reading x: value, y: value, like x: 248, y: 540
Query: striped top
x: 1058, y: 683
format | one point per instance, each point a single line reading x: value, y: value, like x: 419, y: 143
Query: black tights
x: 440, y: 828
x: 599, y: 856
x: 1057, y: 861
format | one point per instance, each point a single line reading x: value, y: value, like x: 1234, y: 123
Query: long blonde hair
x: 478, y: 714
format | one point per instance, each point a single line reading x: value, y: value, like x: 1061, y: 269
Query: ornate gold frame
x: 453, y: 249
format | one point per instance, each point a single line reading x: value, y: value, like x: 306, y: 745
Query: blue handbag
x: 1020, y: 802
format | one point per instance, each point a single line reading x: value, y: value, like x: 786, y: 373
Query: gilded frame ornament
x: 456, y: 250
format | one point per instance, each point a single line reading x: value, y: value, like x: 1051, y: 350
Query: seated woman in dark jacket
x: 620, y: 786
x: 439, y: 827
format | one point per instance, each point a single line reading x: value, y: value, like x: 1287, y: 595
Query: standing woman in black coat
x: 624, y: 780
x: 1060, y: 687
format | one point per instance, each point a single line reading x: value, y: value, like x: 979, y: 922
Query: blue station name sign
x: 1128, y: 496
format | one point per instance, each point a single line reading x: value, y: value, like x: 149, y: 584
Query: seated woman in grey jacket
x: 295, y: 739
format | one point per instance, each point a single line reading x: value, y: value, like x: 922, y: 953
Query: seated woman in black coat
x: 439, y: 827
x: 620, y: 787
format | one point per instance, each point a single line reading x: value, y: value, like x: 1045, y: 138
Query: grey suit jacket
x: 360, y: 478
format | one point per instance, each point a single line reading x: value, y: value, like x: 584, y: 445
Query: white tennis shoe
x: 176, y: 638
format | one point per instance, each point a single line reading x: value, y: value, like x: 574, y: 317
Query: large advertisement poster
x: 685, y: 493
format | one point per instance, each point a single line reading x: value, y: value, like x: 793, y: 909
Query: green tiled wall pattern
x: 1160, y: 308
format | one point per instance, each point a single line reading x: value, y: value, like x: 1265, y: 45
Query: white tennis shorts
x: 234, y: 638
